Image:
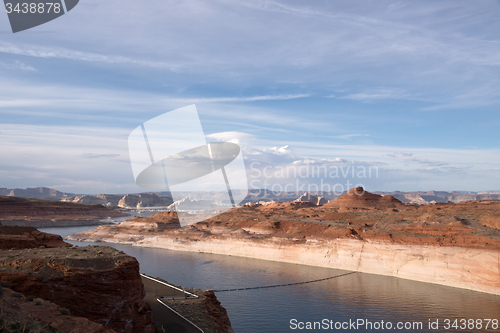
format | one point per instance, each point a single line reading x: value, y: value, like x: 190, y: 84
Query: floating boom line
x: 281, y: 285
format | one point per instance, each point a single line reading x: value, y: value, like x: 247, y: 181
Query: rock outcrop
x: 97, y: 283
x: 14, y: 237
x: 317, y: 200
x: 144, y: 200
x: 206, y: 312
x: 358, y: 198
x: 188, y: 204
x: 108, y: 200
x: 217, y: 313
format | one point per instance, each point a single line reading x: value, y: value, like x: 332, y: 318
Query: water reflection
x: 356, y: 296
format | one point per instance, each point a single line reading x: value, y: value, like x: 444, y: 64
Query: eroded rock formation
x: 315, y: 199
x: 358, y: 198
x: 144, y: 200
x: 98, y: 283
x: 14, y: 237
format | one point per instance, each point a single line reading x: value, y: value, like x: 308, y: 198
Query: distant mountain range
x: 36, y: 192
x: 421, y: 197
x: 164, y: 199
x: 110, y: 200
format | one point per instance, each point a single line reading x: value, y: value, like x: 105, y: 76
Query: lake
x: 359, y: 298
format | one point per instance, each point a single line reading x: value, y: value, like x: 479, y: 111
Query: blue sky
x: 412, y: 88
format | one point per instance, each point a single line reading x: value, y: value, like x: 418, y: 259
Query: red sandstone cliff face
x: 98, y: 283
x: 15, y: 237
x: 217, y: 313
x: 358, y: 198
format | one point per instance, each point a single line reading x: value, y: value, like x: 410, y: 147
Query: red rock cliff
x: 98, y: 283
x: 217, y: 313
x: 15, y: 237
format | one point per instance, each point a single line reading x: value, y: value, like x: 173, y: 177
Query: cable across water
x: 283, y: 285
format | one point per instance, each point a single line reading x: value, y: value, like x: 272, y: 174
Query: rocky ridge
x: 358, y: 198
x: 129, y: 201
x: 15, y: 237
x: 36, y: 192
x: 40, y: 212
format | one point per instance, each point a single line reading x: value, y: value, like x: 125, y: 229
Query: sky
x: 408, y: 90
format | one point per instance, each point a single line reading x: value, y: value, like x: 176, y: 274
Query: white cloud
x: 235, y: 137
x: 18, y: 65
x: 81, y: 158
x: 400, y: 155
x: 239, y: 99
x: 379, y: 94
x: 285, y: 150
x: 63, y: 53
x: 348, y: 136
x: 95, y: 160
x: 425, y: 161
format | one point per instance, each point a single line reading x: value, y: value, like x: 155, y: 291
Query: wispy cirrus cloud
x: 18, y: 65
x: 91, y: 155
x: 240, y: 99
x: 425, y: 161
x: 400, y: 155
x: 64, y: 53
x: 380, y: 94
x: 348, y: 136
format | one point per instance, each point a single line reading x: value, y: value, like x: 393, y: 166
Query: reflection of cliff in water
x: 354, y: 296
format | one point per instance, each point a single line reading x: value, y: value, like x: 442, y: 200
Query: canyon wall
x: 475, y: 269
x: 461, y: 267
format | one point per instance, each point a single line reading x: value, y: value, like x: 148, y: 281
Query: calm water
x: 357, y: 296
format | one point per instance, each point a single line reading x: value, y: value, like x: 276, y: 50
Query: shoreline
x: 459, y: 267
x: 54, y: 224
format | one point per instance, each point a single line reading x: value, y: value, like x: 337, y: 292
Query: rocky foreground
x: 46, y: 285
x: 98, y: 287
x: 445, y: 243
